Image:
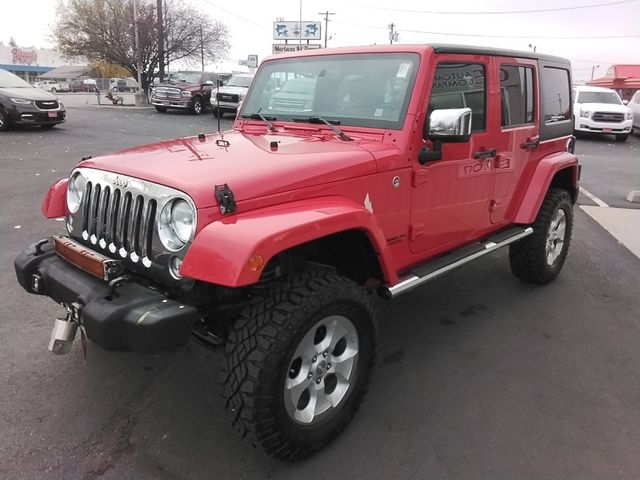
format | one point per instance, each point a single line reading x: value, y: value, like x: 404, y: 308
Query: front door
x: 450, y: 196
x: 517, y: 137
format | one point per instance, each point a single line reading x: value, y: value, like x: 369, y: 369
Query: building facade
x: 29, y: 62
x: 624, y: 79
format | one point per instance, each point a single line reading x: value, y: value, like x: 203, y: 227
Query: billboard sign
x: 23, y: 56
x: 296, y: 30
x: 293, y: 47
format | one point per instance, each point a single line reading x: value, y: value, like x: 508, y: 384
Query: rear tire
x: 621, y: 137
x: 295, y: 342
x: 539, y: 257
x: 160, y: 109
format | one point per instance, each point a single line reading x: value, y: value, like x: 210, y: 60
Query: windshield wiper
x: 258, y: 116
x: 331, y: 123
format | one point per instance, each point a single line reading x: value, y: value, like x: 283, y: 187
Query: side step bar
x: 453, y: 260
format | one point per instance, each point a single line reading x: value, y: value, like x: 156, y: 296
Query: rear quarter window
x: 556, y: 114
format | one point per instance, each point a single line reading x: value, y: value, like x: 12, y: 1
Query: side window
x: 516, y: 95
x: 458, y: 85
x: 556, y: 95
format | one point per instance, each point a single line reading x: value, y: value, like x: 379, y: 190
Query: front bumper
x: 172, y: 102
x: 589, y: 125
x: 127, y: 317
x: 32, y: 115
x: 227, y: 106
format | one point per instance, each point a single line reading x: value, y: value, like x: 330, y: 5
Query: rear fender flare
x: 221, y: 251
x: 540, y: 182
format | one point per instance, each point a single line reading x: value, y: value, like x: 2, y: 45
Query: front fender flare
x: 54, y: 204
x: 221, y: 251
x: 540, y: 182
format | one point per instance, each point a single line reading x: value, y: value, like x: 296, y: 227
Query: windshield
x: 9, y: 80
x: 185, y: 77
x: 369, y: 90
x: 599, y: 97
x: 239, y: 82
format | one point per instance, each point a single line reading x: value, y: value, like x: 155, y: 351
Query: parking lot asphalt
x: 479, y: 376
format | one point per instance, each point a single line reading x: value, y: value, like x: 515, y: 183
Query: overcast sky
x: 363, y: 22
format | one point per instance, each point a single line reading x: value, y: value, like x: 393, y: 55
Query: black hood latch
x: 225, y: 199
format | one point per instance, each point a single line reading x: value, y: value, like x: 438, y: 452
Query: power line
x: 502, y: 12
x: 259, y: 25
x: 479, y: 35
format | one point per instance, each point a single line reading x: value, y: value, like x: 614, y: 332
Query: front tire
x: 298, y: 363
x: 160, y: 109
x: 539, y: 257
x: 4, y: 120
x: 217, y: 112
x: 196, y: 108
x: 621, y: 137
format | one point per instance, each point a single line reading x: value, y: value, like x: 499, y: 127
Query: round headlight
x: 176, y: 224
x: 75, y: 190
x: 182, y: 220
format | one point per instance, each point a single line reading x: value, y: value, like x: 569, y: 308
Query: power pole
x: 160, y: 41
x: 326, y: 25
x: 593, y: 70
x: 393, y: 35
x: 201, y: 49
x: 140, y: 97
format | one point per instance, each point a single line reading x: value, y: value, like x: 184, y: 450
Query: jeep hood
x: 251, y: 164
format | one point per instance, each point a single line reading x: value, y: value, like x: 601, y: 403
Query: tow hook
x: 64, y: 330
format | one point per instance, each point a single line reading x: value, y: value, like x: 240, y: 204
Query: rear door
x: 517, y: 135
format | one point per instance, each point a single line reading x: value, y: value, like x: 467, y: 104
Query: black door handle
x: 530, y: 143
x: 484, y: 154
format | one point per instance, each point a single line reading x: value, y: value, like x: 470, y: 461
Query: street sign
x: 293, y: 47
x: 296, y: 30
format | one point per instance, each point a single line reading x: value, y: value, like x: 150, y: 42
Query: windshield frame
x: 18, y: 82
x: 270, y: 66
x: 611, y: 94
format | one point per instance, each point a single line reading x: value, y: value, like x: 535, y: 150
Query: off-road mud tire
x: 260, y: 348
x: 528, y: 256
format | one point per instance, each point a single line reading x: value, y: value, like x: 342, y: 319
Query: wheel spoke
x: 342, y: 366
x: 307, y: 414
x: 323, y: 402
x: 336, y: 396
x: 296, y: 387
x: 560, y: 230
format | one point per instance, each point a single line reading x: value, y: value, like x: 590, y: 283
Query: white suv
x: 600, y: 110
x: 634, y: 105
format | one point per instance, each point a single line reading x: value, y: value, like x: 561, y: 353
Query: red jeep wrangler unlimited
x: 399, y: 164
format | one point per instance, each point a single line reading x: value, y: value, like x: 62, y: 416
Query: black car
x: 22, y: 104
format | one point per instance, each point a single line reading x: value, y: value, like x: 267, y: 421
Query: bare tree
x: 102, y: 31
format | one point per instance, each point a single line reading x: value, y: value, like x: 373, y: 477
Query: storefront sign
x: 23, y: 56
x: 293, y: 47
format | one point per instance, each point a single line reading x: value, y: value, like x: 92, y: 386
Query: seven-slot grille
x: 47, y: 104
x: 119, y: 220
x: 608, y: 117
x: 168, y: 92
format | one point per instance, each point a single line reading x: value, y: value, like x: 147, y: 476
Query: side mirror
x: 209, y: 83
x: 445, y: 125
x: 625, y: 102
x: 220, y: 82
x: 450, y: 125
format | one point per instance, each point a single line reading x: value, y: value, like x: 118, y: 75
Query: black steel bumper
x: 128, y: 317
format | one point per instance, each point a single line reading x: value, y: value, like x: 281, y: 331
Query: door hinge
x: 493, y: 205
x: 419, y: 177
x: 415, y: 230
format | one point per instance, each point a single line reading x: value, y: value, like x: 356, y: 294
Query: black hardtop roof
x: 498, y: 52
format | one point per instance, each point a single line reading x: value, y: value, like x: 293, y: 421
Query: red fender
x: 221, y: 251
x: 540, y: 181
x: 54, y: 204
